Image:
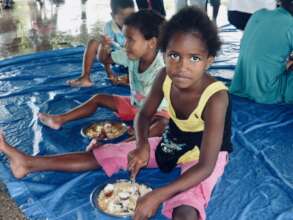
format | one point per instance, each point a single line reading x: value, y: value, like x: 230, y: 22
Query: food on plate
x: 120, y: 198
x: 105, y: 130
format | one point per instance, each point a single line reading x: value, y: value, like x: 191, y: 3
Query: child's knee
x: 93, y: 43
x: 185, y: 212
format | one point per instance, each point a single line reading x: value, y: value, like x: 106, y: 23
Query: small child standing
x: 197, y: 138
x: 143, y: 60
x: 113, y: 29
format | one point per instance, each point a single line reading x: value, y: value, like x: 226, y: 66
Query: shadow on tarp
x: 258, y: 181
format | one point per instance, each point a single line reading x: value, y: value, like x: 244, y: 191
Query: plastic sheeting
x: 258, y: 181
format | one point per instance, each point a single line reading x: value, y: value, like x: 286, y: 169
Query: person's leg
x: 179, y: 4
x: 7, y: 4
x: 22, y: 164
x: 185, y: 212
x: 216, y: 5
x: 199, y: 195
x: 142, y: 4
x: 199, y: 3
x: 158, y: 6
x: 89, y: 56
x: 84, y: 110
x: 114, y: 157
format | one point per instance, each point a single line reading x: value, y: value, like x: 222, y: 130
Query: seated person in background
x: 239, y: 11
x: 113, y: 29
x: 261, y: 72
x: 143, y: 60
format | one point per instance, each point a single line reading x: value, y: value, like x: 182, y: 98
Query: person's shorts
x: 113, y: 157
x: 127, y: 112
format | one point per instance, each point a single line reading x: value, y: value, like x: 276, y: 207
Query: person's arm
x: 140, y: 156
x: 214, y: 116
x: 104, y: 51
x: 151, y: 104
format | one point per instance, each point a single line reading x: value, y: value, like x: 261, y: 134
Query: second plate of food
x: 106, y: 131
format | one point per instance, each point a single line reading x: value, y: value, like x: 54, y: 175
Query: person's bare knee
x: 93, y: 44
x: 104, y: 100
x: 185, y: 212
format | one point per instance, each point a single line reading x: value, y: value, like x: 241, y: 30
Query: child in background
x: 261, y: 73
x: 197, y: 138
x: 143, y: 60
x: 113, y: 29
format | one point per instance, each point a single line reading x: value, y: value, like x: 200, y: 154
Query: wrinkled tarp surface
x: 258, y: 181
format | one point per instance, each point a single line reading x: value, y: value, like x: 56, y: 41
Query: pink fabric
x: 113, y: 157
x: 198, y: 196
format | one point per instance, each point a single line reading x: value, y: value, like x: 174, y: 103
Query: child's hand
x: 147, y: 205
x: 137, y: 159
x: 106, y: 41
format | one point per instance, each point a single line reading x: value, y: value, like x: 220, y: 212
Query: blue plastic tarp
x: 257, y: 183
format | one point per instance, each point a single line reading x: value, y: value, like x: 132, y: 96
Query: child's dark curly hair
x: 117, y: 5
x: 191, y: 20
x: 147, y: 22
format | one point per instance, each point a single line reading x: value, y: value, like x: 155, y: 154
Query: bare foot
x: 18, y: 160
x: 80, y: 82
x: 50, y: 121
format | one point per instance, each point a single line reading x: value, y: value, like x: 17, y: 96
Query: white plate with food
x: 118, y: 199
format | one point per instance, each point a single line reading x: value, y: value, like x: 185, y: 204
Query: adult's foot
x: 19, y: 162
x: 50, y: 121
x: 80, y: 82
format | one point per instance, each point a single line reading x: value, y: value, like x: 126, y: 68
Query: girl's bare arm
x: 104, y: 51
x: 140, y: 156
x: 152, y: 102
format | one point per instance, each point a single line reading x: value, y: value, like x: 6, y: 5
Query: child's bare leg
x: 84, y: 110
x: 185, y: 212
x: 89, y: 56
x: 22, y: 164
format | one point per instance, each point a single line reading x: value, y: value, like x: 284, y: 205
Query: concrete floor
x: 37, y: 25
x: 8, y: 209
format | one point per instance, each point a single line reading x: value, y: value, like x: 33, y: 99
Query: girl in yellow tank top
x: 199, y: 126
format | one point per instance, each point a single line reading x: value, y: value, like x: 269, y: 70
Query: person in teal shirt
x: 261, y: 72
